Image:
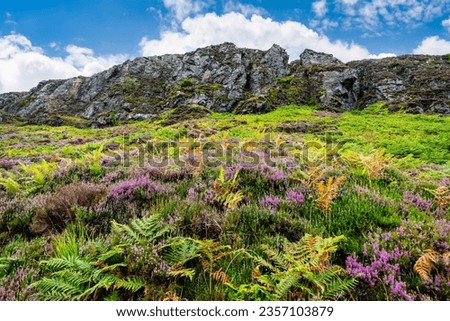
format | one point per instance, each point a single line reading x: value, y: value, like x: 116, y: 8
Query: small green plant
x: 185, y: 83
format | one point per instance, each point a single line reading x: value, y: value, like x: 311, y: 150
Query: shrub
x: 59, y: 208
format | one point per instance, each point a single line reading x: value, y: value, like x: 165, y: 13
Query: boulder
x: 311, y: 57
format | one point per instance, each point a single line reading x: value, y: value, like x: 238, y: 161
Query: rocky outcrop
x: 415, y: 84
x: 225, y: 78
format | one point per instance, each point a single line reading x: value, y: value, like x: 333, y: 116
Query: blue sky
x: 58, y: 39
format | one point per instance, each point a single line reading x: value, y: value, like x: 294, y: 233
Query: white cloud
x: 23, y: 65
x: 320, y: 7
x: 372, y: 14
x: 254, y: 32
x: 245, y: 9
x: 446, y: 24
x: 433, y: 46
x: 182, y: 9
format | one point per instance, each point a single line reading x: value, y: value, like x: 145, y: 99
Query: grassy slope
x: 37, y: 160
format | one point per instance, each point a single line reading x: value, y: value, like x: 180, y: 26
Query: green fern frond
x: 285, y: 285
x: 141, y: 231
x: 338, y: 287
x: 303, y: 269
x: 182, y: 250
x: 57, y: 288
x: 188, y: 273
x: 130, y: 284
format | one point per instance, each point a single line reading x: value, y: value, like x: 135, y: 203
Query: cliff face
x: 226, y: 78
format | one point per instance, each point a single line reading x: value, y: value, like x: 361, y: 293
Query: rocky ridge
x: 225, y: 78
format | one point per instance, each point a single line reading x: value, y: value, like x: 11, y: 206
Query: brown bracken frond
x: 220, y: 276
x: 326, y: 193
x: 256, y: 272
x: 425, y: 264
x: 441, y: 195
x: 373, y: 164
x: 171, y: 296
x: 433, y: 260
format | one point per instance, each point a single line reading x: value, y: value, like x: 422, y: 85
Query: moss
x: 75, y: 121
x: 376, y: 109
x: 25, y: 101
x: 183, y: 113
x: 139, y: 90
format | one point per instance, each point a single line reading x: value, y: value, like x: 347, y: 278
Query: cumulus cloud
x: 433, y: 46
x: 23, y: 65
x: 252, y: 32
x: 446, y: 24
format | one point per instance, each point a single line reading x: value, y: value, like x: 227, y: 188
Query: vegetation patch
x: 293, y: 204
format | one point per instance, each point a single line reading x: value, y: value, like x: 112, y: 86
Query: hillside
x: 236, y: 176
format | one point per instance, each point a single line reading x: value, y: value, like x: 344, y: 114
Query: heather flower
x: 417, y: 201
x: 271, y: 202
x: 15, y: 287
x: 295, y: 197
x: 7, y: 164
x: 445, y: 182
x: 209, y: 196
x: 383, y: 267
x: 110, y: 178
x: 192, y: 192
x: 127, y: 191
x: 271, y: 173
x: 196, y: 191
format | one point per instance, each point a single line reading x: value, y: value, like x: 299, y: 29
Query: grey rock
x: 311, y: 57
x: 440, y: 108
x: 341, y: 90
x: 140, y: 116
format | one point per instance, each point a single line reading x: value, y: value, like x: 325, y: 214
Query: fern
x: 181, y: 251
x: 77, y: 278
x: 72, y: 276
x: 10, y: 185
x: 373, y: 164
x: 226, y: 190
x: 302, y: 270
x: 142, y: 231
x: 441, y: 196
x: 38, y: 174
x: 433, y: 261
x: 326, y: 193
